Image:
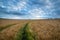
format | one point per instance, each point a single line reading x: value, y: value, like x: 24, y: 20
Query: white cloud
x: 9, y: 16
x: 1, y: 5
x: 49, y: 5
x: 15, y: 17
x: 20, y: 5
x: 37, y: 12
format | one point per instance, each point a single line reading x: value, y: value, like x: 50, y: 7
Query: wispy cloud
x: 29, y: 9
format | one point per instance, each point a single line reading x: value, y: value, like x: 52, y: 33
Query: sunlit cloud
x: 37, y: 12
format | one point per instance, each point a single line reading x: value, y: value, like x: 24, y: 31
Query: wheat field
x: 47, y: 29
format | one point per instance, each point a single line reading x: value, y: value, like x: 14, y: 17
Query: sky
x: 29, y: 9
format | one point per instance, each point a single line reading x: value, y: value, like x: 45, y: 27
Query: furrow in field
x: 7, y: 26
x: 9, y: 33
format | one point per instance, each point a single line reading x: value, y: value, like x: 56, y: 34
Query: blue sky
x: 29, y: 9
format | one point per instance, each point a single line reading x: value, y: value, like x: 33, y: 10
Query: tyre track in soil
x: 9, y: 33
x: 7, y: 26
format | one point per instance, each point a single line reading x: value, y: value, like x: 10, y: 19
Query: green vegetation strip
x: 2, y: 28
x: 25, y: 33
